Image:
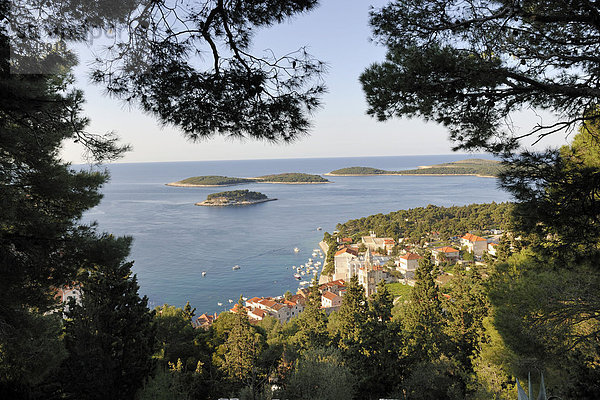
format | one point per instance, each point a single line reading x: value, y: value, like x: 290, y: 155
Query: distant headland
x: 292, y: 178
x: 473, y: 166
x: 234, y: 198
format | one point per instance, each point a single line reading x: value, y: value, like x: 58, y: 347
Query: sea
x: 174, y: 241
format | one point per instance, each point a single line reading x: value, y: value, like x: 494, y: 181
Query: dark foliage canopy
x: 470, y: 64
x: 189, y: 63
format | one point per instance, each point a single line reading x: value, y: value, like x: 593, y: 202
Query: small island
x: 210, y: 180
x: 292, y: 178
x: 473, y: 166
x: 234, y: 198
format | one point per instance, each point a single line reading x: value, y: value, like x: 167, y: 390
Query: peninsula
x: 292, y: 178
x: 473, y: 166
x: 234, y: 198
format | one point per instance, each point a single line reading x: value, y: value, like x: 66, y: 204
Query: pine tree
x: 241, y: 352
x: 466, y: 311
x: 312, y: 322
x: 188, y: 312
x: 423, y: 319
x: 382, y: 368
x: 352, y: 315
x: 109, y: 336
x: 43, y: 244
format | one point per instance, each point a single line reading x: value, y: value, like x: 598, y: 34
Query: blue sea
x: 174, y: 240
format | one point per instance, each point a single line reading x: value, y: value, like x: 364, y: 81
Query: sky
x: 337, y: 32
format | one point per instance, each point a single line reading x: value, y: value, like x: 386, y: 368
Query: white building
x: 409, y: 262
x: 329, y: 299
x: 374, y: 243
x: 445, y: 253
x: 475, y: 244
x: 342, y: 260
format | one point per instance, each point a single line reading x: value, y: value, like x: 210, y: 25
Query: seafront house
x: 474, y: 244
x: 329, y: 300
x: 445, y: 253
x: 342, y: 260
x: 204, y: 321
x: 281, y: 309
x: 257, y: 314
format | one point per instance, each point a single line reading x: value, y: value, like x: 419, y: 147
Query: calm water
x: 174, y: 241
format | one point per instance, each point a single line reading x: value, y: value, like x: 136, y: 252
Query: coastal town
x: 371, y: 259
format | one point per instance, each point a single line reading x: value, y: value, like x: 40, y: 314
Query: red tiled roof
x: 297, y: 298
x: 254, y: 300
x: 346, y: 250
x: 235, y: 308
x: 330, y: 296
x: 446, y: 249
x: 411, y: 256
x: 204, y: 318
x: 267, y: 303
x: 278, y: 306
x: 347, y: 239
x: 472, y: 238
x: 259, y: 313
x: 389, y: 241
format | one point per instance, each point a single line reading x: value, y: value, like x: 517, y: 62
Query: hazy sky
x: 337, y: 32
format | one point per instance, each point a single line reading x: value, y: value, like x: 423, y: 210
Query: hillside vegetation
x: 473, y: 166
x: 420, y: 222
x: 292, y: 177
x: 215, y: 180
x: 212, y: 180
x: 237, y: 196
x: 359, y: 171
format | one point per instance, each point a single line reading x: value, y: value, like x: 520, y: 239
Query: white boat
x: 230, y: 300
x: 235, y: 267
x: 314, y: 254
x: 203, y: 273
x: 304, y: 283
x: 297, y: 276
x: 301, y: 272
x: 219, y: 304
x: 316, y: 250
x: 319, y: 228
x: 296, y: 249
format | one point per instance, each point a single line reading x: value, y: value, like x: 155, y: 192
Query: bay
x: 174, y: 240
